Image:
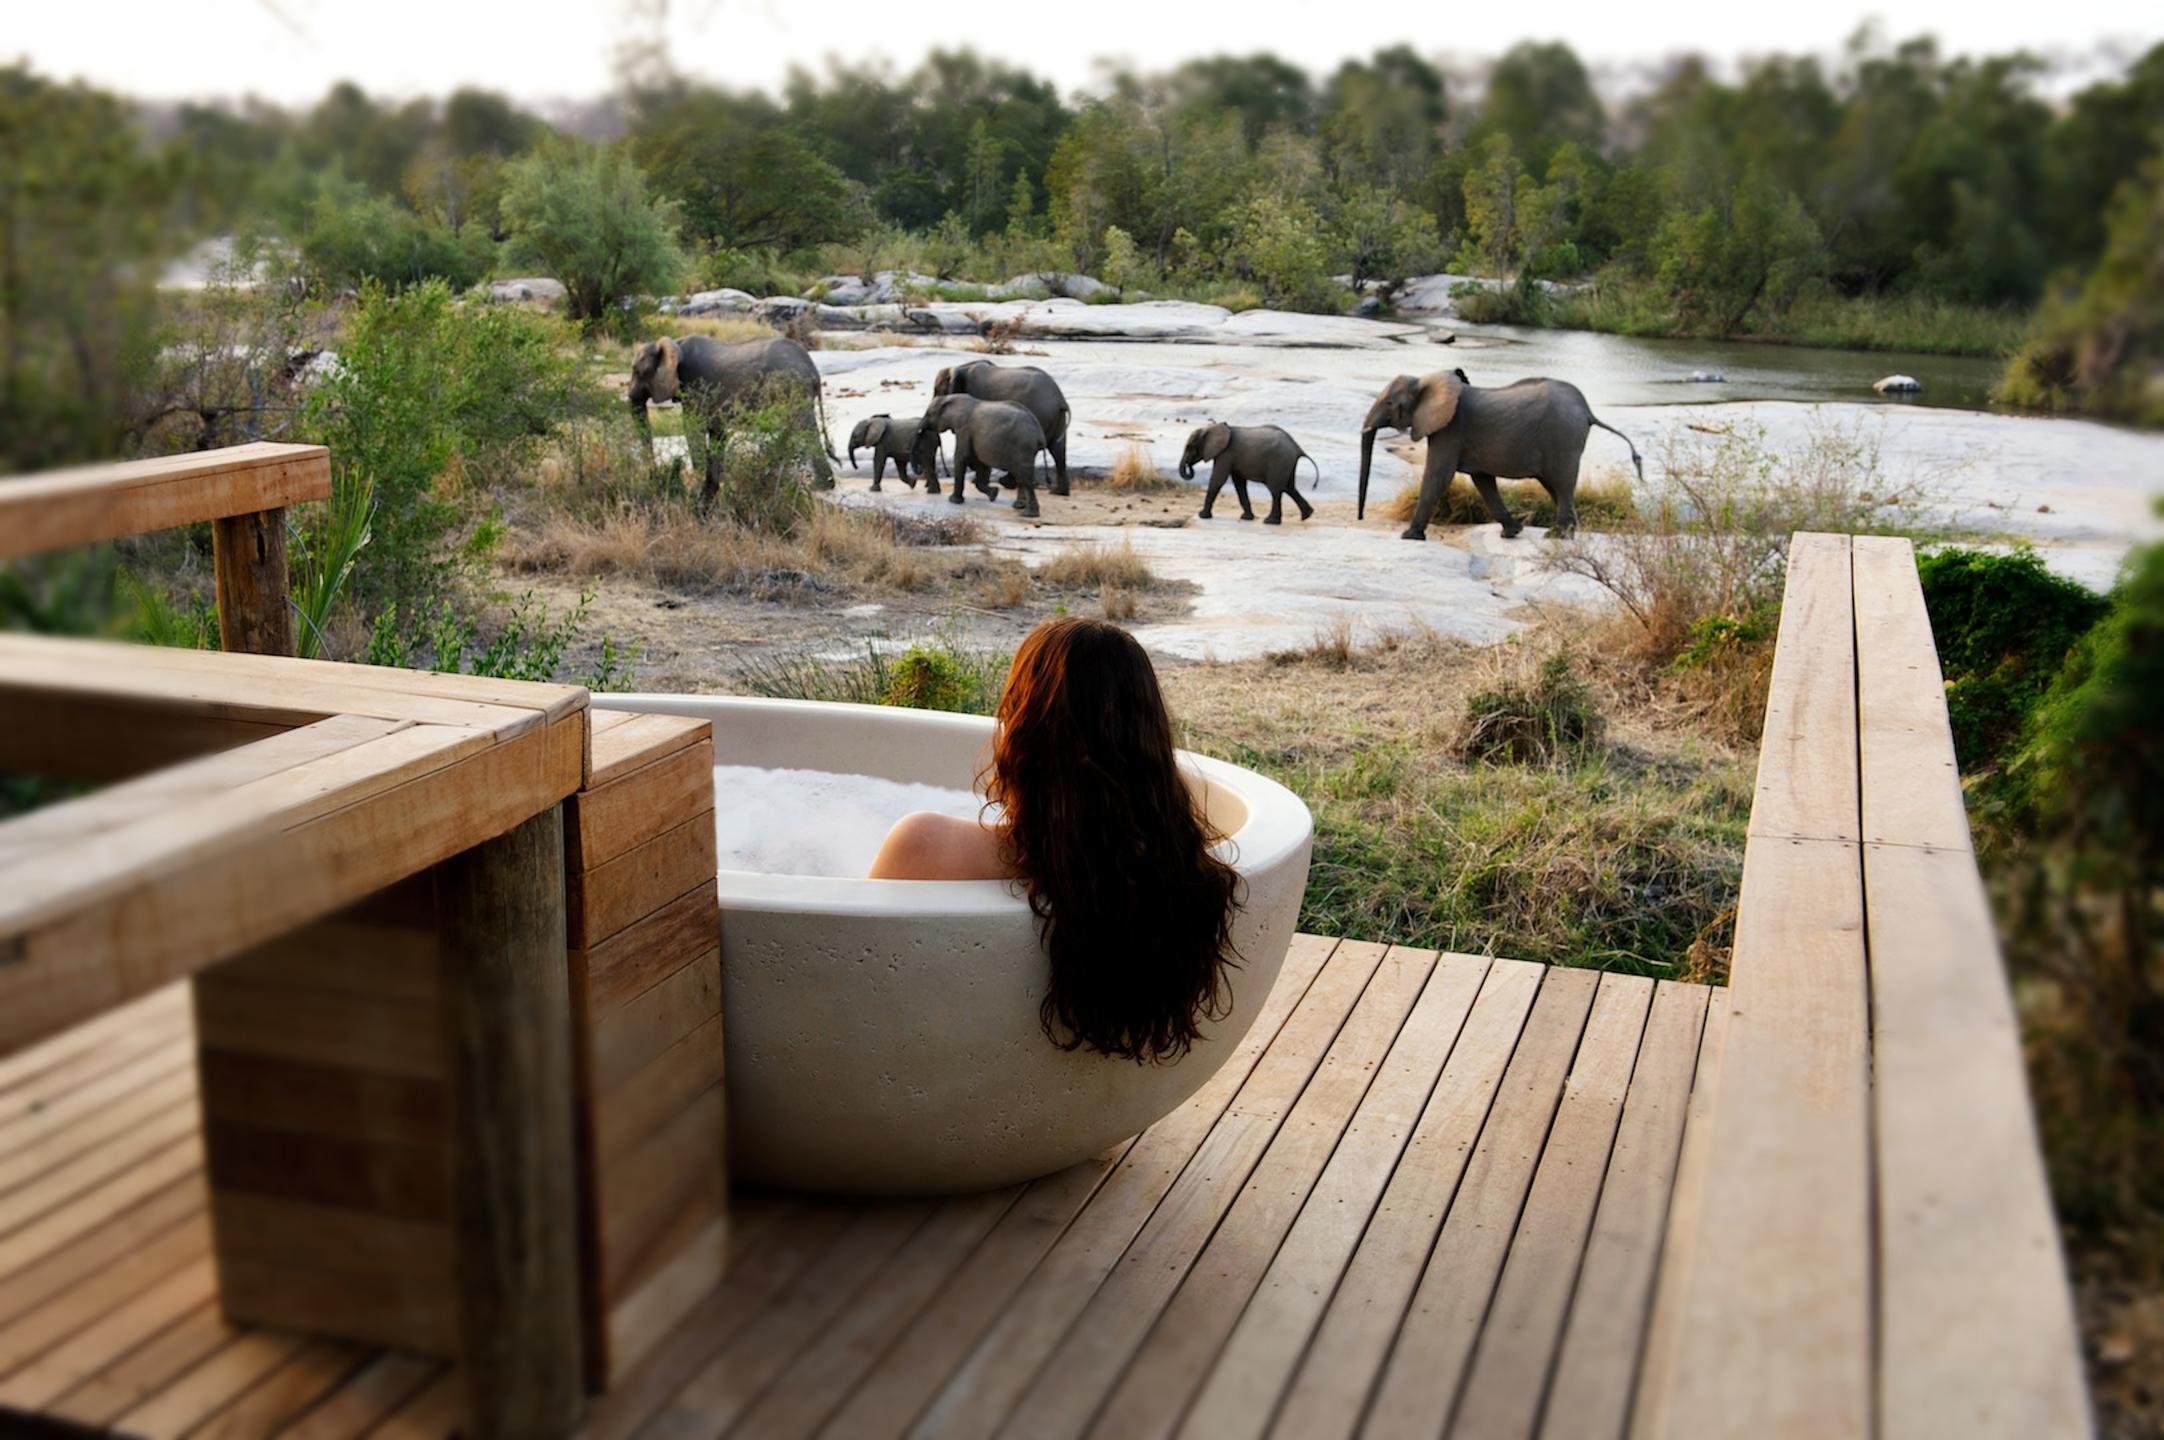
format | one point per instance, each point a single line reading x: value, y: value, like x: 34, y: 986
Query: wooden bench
x: 1869, y: 1247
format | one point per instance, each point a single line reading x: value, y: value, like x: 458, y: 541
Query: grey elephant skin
x: 1023, y: 385
x: 1532, y: 430
x: 906, y: 440
x: 711, y: 378
x: 1262, y: 454
x: 991, y: 435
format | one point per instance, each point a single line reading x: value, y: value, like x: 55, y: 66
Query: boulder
x: 1898, y: 385
x: 532, y: 289
x: 1368, y: 307
x: 1707, y: 377
x: 717, y: 302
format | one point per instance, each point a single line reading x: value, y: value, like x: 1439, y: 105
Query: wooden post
x: 514, y: 1208
x: 254, y: 612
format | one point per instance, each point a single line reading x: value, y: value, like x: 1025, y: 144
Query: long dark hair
x: 1134, y: 909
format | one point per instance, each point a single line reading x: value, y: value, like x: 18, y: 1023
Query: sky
x: 291, y: 51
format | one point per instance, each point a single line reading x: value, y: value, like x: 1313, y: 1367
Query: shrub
x: 1094, y: 567
x: 1279, y: 244
x: 581, y: 213
x: 924, y: 678
x: 351, y: 236
x: 1136, y: 472
x: 963, y: 680
x: 1537, y: 724
x: 2003, y: 625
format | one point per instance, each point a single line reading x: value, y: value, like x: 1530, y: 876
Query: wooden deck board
x: 1400, y: 1135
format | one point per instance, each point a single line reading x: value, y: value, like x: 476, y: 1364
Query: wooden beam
x: 255, y: 611
x: 60, y: 508
x: 509, y: 1029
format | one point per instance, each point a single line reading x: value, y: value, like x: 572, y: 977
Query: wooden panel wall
x: 646, y: 991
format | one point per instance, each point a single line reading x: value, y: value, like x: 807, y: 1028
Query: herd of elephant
x: 1004, y: 417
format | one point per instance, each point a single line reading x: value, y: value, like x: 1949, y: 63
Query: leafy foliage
x: 1549, y: 720
x: 582, y: 213
x: 351, y: 235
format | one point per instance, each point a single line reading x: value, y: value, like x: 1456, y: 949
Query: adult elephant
x: 1264, y: 454
x: 991, y: 435
x: 712, y: 378
x: 1532, y: 430
x: 1023, y: 385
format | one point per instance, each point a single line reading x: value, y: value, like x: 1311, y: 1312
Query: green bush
x: 351, y: 236
x: 938, y: 674
x: 2003, y: 625
x: 582, y: 214
x: 755, y: 271
x: 1550, y: 720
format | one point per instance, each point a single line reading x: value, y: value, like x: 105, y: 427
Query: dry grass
x: 1003, y: 586
x: 1098, y: 567
x: 1135, y: 472
x: 1604, y: 500
x: 1119, y: 603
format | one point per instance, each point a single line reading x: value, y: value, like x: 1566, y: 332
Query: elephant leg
x: 1307, y: 511
x: 1059, y: 464
x: 906, y: 471
x: 1277, y: 507
x: 962, y: 462
x: 1563, y: 489
x: 1491, y: 497
x: 982, y: 479
x: 1442, y: 464
x: 1239, y: 488
x: 879, y: 469
x: 1209, y: 496
x: 1025, y: 495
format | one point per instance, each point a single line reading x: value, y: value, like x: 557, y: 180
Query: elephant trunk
x: 852, y: 452
x: 1367, y: 459
x: 1187, y: 469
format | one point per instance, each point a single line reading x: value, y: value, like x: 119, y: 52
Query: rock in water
x: 1898, y: 385
x: 1708, y: 377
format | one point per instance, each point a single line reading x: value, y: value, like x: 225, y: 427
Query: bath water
x: 815, y: 822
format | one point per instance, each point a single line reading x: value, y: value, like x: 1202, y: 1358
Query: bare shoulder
x: 928, y: 846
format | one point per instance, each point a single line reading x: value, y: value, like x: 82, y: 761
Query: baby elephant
x: 1240, y: 453
x: 991, y: 435
x: 908, y: 442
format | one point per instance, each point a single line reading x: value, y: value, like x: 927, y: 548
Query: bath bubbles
x: 815, y: 822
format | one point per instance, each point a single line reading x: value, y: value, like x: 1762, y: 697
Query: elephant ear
x: 943, y: 382
x: 1215, y: 439
x: 875, y: 429
x: 664, y: 386
x: 1437, y: 405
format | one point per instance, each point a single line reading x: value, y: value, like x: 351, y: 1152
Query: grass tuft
x: 1098, y: 567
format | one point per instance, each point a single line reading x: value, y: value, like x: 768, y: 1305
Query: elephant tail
x: 1311, y: 465
x: 1636, y: 463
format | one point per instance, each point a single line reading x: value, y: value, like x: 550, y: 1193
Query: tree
x: 1122, y: 266
x: 1384, y: 119
x: 1382, y: 237
x: 581, y: 212
x: 1749, y: 248
x: 350, y: 236
x: 740, y: 176
x: 1491, y: 209
x: 1281, y: 247
x: 1541, y: 97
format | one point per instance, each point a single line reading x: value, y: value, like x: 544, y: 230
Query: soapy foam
x: 815, y: 822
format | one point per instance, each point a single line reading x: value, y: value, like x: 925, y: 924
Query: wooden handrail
x: 60, y: 508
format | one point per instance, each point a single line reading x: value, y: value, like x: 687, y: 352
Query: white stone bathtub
x: 882, y: 1035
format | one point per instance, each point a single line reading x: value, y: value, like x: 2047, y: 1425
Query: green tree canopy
x: 582, y: 214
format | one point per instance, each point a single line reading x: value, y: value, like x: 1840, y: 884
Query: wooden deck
x: 1423, y: 1187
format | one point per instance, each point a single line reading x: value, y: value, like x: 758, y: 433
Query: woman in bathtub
x: 1097, y: 824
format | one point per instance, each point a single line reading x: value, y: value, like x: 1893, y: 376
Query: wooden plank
x: 59, y: 1268
x: 640, y: 1320
x: 437, y: 1411
x: 982, y: 1392
x: 248, y: 558
x: 411, y: 1182
x: 615, y: 816
x: 365, y: 1397
x: 315, y: 1370
x: 631, y: 741
x: 1661, y: 1354
x: 327, y: 1239
x: 110, y: 738
x: 774, y: 1252
x: 1977, y: 1333
x: 1590, y: 1392
x: 725, y: 1388
x: 1330, y: 1388
x: 661, y: 1088
x: 1807, y: 756
x: 209, y: 778
x: 302, y: 1023
x: 629, y: 1038
x: 59, y: 1187
x: 1911, y: 785
x: 91, y: 1208
x: 142, y: 1314
x: 821, y: 1376
x: 1186, y: 1278
x: 1524, y: 1324
x: 1240, y: 1390
x: 682, y: 1167
x: 215, y: 904
x: 127, y: 1030
x: 1776, y: 1310
x: 641, y: 881
x: 912, y: 1371
x: 507, y: 1011
x: 35, y: 1334
x: 403, y: 1308
x: 146, y: 1370
x: 648, y: 950
x: 51, y: 1129
x: 61, y: 508
x: 216, y: 1382
x: 331, y: 1103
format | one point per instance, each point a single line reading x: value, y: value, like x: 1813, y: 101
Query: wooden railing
x: 1868, y: 1245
